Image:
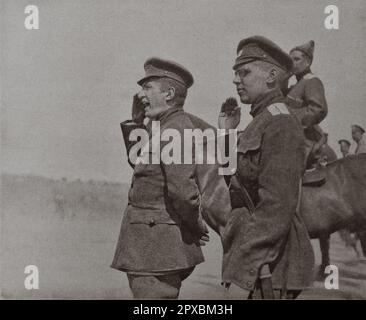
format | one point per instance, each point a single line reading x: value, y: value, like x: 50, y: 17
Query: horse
x: 338, y: 203
x: 322, y: 154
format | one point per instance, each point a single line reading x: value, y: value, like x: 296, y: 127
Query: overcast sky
x: 66, y: 86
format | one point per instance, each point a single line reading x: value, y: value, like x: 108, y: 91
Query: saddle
x: 314, y: 178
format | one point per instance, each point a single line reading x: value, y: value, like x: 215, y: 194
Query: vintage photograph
x: 183, y: 149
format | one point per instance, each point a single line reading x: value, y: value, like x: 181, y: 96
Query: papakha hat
x: 307, y: 48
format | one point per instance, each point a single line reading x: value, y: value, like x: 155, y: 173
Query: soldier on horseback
x: 306, y: 100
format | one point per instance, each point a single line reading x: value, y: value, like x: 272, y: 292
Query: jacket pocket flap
x: 248, y: 143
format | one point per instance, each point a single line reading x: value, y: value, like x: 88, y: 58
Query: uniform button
x: 252, y: 272
x: 152, y: 222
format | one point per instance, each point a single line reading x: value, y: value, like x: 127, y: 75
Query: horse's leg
x: 324, y: 249
x: 346, y: 237
x: 354, y: 246
x: 362, y: 237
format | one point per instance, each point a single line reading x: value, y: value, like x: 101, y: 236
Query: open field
x: 69, y: 231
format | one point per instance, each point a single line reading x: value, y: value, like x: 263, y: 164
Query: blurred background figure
x: 344, y: 146
x: 359, y: 138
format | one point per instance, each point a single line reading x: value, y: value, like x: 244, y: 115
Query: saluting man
x: 162, y: 227
x: 306, y: 99
x: 265, y: 237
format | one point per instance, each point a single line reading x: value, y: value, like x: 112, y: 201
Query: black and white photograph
x: 183, y: 149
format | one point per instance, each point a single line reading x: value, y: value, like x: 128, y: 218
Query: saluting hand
x: 229, y: 117
x: 138, y: 112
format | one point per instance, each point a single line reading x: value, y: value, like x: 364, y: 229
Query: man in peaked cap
x: 307, y: 101
x: 162, y: 228
x: 266, y: 237
x: 359, y: 138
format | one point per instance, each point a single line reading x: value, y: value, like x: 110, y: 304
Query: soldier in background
x: 307, y: 101
x: 359, y: 137
x: 344, y: 146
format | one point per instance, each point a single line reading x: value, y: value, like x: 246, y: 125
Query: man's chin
x: 151, y: 115
x: 244, y: 99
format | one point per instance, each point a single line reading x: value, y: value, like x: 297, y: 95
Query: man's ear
x: 170, y: 94
x: 272, y: 77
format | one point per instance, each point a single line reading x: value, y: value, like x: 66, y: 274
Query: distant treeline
x: 67, y: 199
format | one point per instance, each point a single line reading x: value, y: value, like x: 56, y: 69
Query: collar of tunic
x: 301, y: 75
x: 264, y: 101
x: 166, y: 114
x: 163, y: 117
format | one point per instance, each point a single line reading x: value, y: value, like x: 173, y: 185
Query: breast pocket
x: 248, y: 159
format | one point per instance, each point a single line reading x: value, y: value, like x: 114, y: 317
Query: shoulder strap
x: 278, y: 108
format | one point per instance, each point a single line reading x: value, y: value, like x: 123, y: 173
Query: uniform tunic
x: 306, y: 100
x: 361, y: 145
x: 270, y: 165
x: 159, y: 232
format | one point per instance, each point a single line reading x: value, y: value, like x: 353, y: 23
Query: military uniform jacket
x: 159, y: 227
x: 270, y: 165
x: 306, y: 100
x: 361, y: 145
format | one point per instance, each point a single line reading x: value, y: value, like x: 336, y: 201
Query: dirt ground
x: 73, y: 257
x: 69, y: 229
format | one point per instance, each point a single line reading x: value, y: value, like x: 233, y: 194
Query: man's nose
x: 141, y: 94
x: 236, y: 79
